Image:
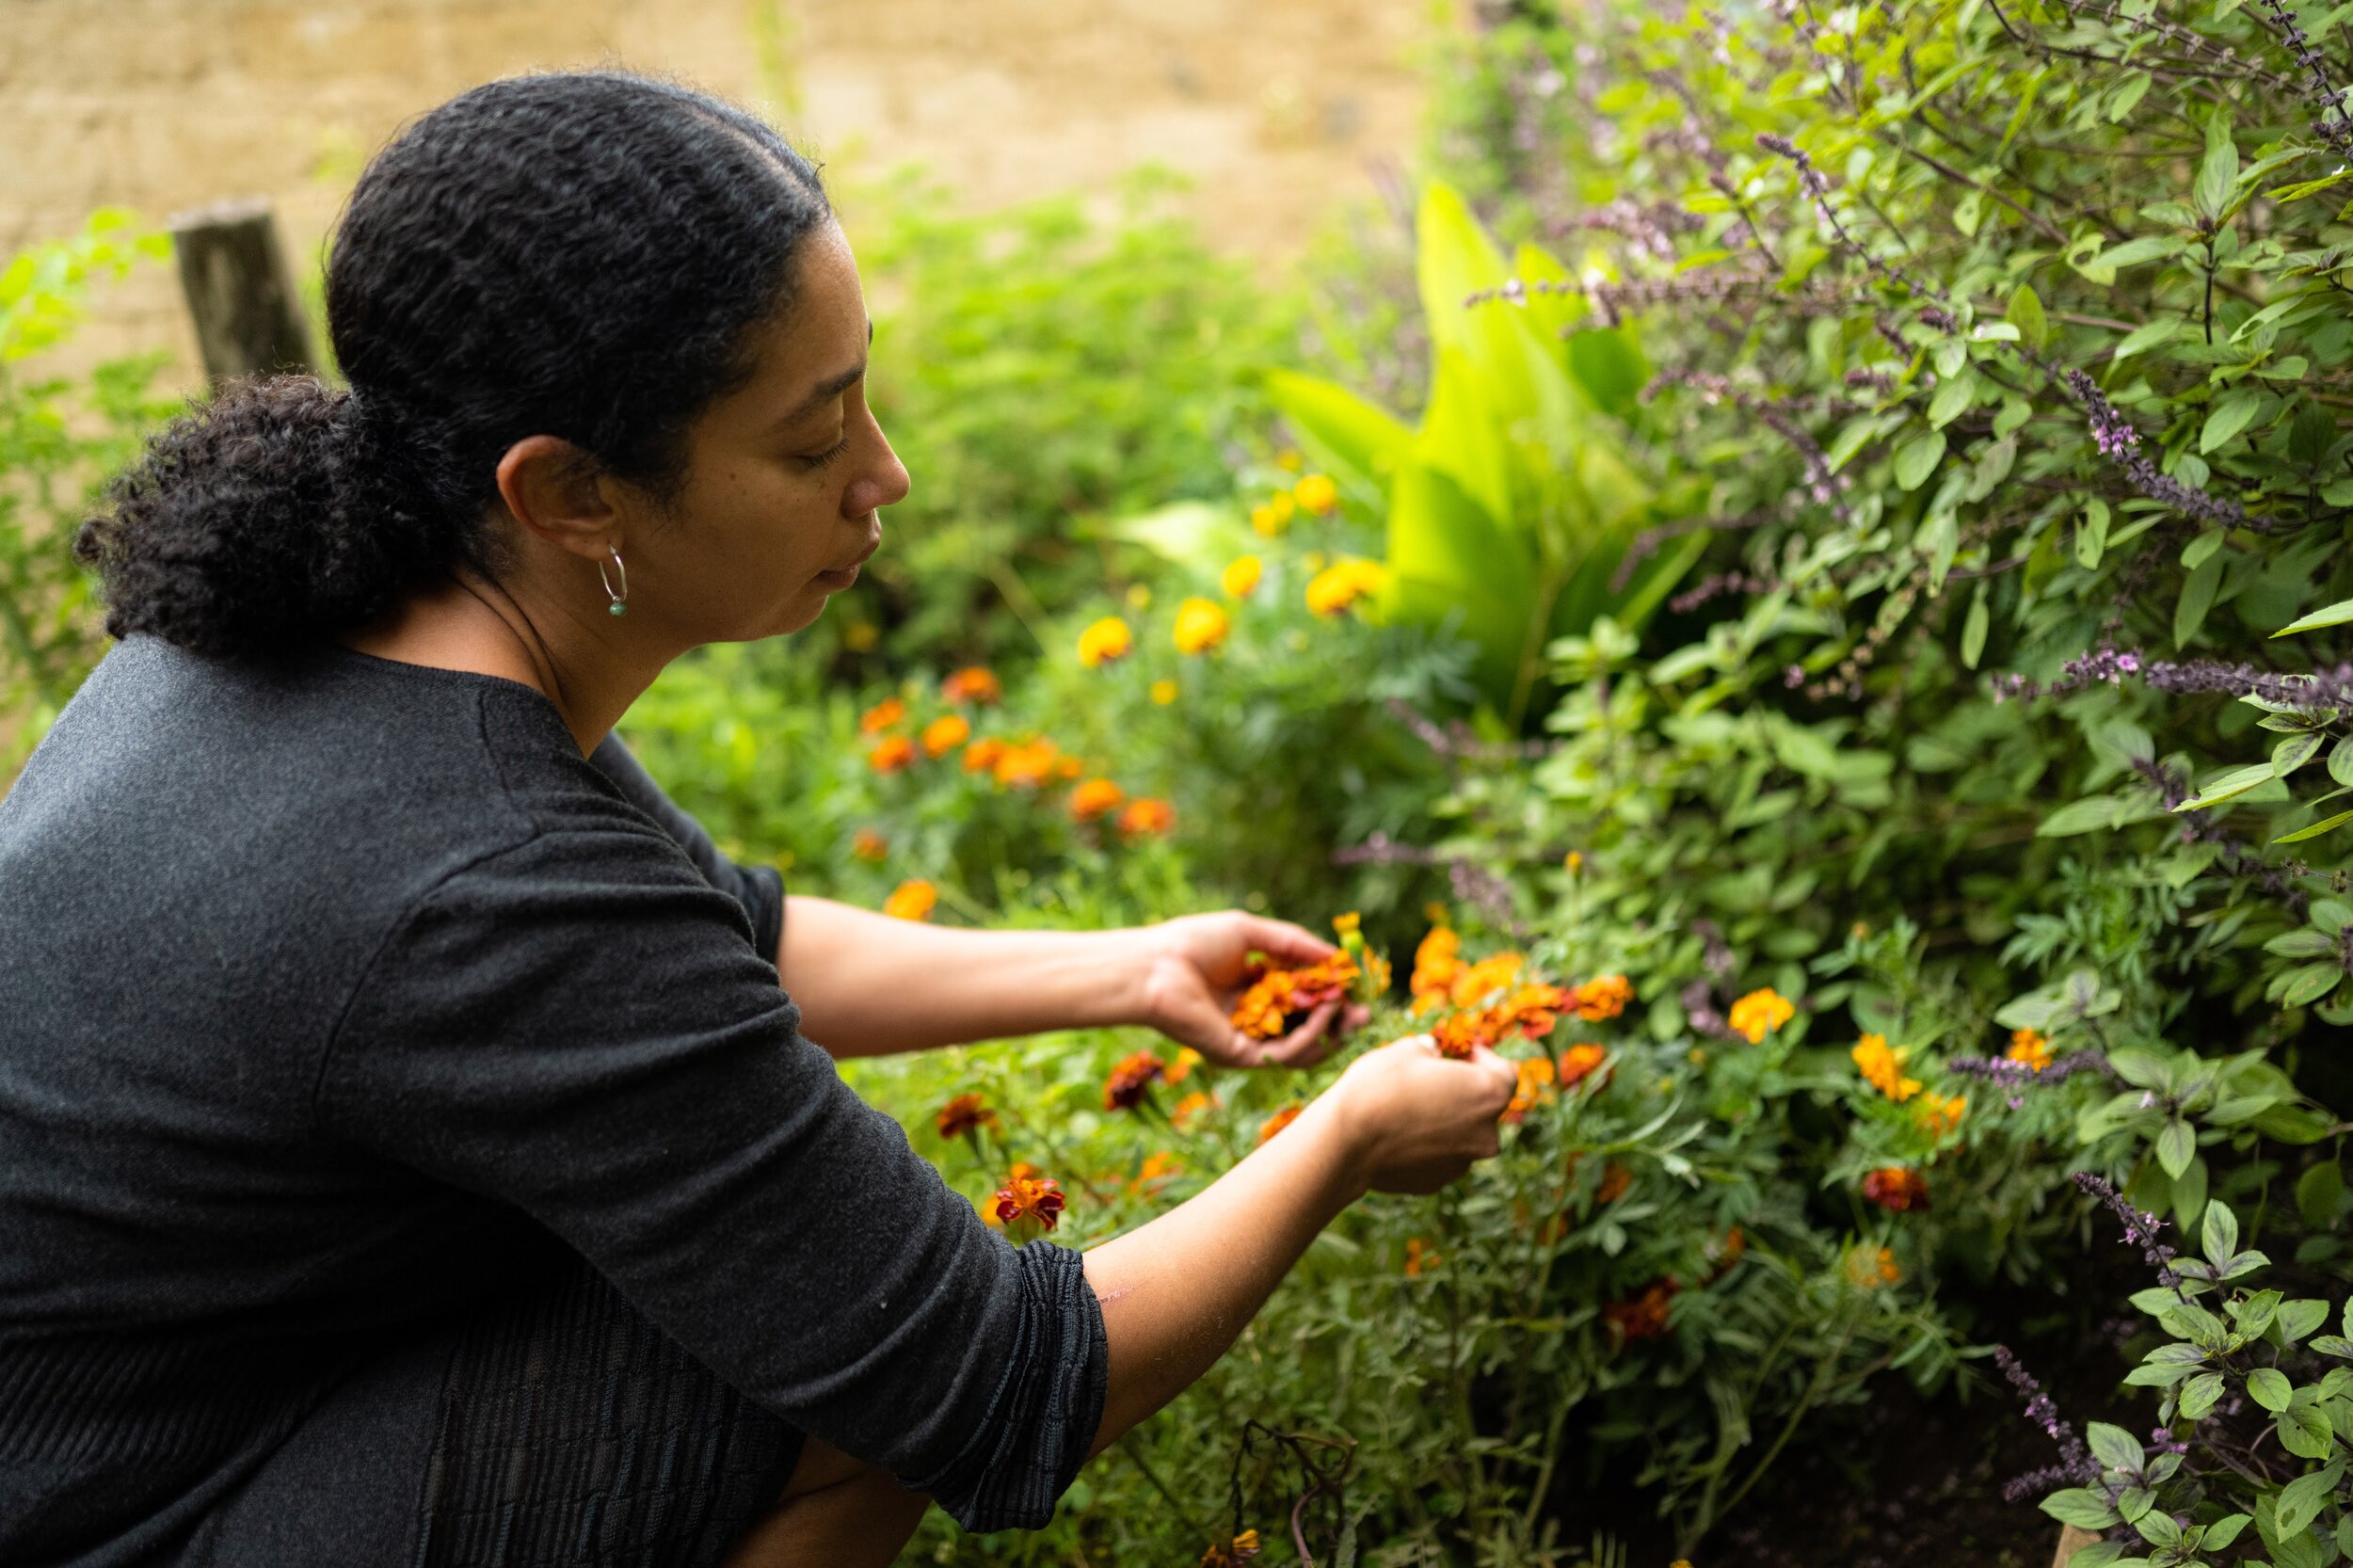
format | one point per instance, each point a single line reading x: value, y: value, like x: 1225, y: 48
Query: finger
x: 1353, y: 1017
x: 1283, y: 939
x: 1299, y: 1048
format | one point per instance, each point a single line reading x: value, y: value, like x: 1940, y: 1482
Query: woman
x: 407, y: 1152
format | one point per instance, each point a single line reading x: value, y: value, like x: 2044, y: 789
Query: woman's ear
x: 556, y: 491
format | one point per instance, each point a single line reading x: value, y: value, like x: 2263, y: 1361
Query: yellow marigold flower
x: 1181, y: 1068
x: 881, y: 716
x: 1233, y: 1553
x: 912, y: 900
x: 1419, y: 1257
x: 1475, y: 981
x: 1280, y: 1120
x: 1147, y: 817
x: 1093, y: 798
x: 1760, y: 1013
x: 860, y: 635
x: 1200, y: 626
x: 1163, y: 691
x: 1317, y: 493
x: 1940, y: 1115
x: 1275, y: 515
x: 1572, y: 862
x: 973, y: 683
x: 1138, y: 597
x: 1437, y: 963
x: 1106, y: 640
x: 891, y: 753
x: 1883, y: 1068
x: 2031, y: 1047
x: 1871, y: 1267
x: 1240, y: 576
x: 867, y: 844
x: 1343, y: 582
x: 945, y: 733
x: 965, y: 1113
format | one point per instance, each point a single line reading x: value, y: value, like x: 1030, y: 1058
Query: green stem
x: 1789, y: 1429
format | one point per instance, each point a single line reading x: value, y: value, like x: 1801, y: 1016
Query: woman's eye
x: 819, y: 460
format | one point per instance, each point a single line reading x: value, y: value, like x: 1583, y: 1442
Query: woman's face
x: 784, y: 476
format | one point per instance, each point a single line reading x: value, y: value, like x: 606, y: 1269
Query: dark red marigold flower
x: 1896, y: 1188
x: 1642, y: 1315
x: 1036, y: 1198
x: 965, y: 1113
x: 1130, y: 1081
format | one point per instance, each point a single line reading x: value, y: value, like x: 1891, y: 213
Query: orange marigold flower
x: 1579, y: 1061
x: 1420, y: 1257
x: 973, y: 683
x: 912, y: 900
x: 1240, y: 576
x: 1871, y: 1267
x: 1147, y: 816
x: 1897, y: 1188
x: 982, y: 755
x: 1104, y: 641
x: 1191, y: 1105
x: 1940, y: 1115
x: 1602, y: 997
x: 1317, y: 493
x: 945, y: 733
x: 1437, y: 963
x: 1533, y: 1009
x: 1201, y: 625
x: 1724, y: 1252
x: 1460, y: 1036
x: 881, y: 716
x: 1883, y: 1068
x: 1030, y: 763
x: 1131, y: 1080
x: 1760, y: 1013
x: 1233, y: 1553
x: 1156, y: 1171
x: 965, y: 1113
x: 1280, y: 1120
x: 1643, y: 1315
x: 1343, y: 582
x: 1181, y: 1068
x: 891, y: 753
x: 1093, y: 798
x: 1490, y: 974
x: 1029, y: 1197
x: 1276, y: 997
x: 2031, y: 1047
x: 1534, y: 1087
x: 1615, y: 1179
x: 867, y: 844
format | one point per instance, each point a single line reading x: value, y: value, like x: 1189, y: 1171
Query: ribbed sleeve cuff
x: 1049, y: 1404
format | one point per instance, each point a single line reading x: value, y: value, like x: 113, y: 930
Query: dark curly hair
x: 578, y: 254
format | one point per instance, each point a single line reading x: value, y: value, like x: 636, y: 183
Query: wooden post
x: 248, y: 314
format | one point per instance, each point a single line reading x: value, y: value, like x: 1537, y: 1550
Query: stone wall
x: 1275, y: 106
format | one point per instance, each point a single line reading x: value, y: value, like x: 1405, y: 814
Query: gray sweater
x: 340, y: 998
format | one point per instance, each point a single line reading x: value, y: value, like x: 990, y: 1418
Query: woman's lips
x: 834, y: 582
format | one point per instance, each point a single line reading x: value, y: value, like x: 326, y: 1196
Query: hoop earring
x: 620, y: 599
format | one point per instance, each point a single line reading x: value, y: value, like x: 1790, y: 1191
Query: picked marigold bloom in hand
x: 881, y: 716
x: 867, y: 844
x: 1343, y: 582
x: 1420, y: 1257
x: 1940, y: 1114
x: 1579, y: 1062
x: 891, y: 753
x: 2031, y: 1047
x: 1603, y: 997
x: 1280, y: 1120
x: 1093, y: 798
x: 945, y: 733
x: 1534, y: 1087
x: 1029, y: 1197
x: 1147, y: 816
x: 1643, y: 1315
x: 1233, y: 1553
x: 1897, y: 1188
x: 1131, y: 1080
x: 1882, y: 1068
x: 965, y: 1114
x: 1317, y: 493
x: 1278, y: 997
x: 982, y: 755
x: 911, y: 900
x: 973, y: 683
x: 1201, y: 625
x: 1760, y: 1013
x: 1104, y: 641
x: 1240, y: 576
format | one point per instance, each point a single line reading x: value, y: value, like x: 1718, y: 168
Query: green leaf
x: 2200, y: 1395
x: 2229, y: 416
x: 2195, y: 552
x: 2320, y: 1195
x: 2091, y: 535
x: 2133, y: 252
x: 2302, y: 1499
x: 1974, y: 629
x: 1917, y: 458
x: 2340, y: 762
x: 2176, y: 1146
x: 2269, y: 1388
x: 2295, y: 751
x: 2113, y: 1446
x: 2218, y: 171
x: 2026, y: 314
x: 2304, y: 1432
x: 1348, y: 437
x: 1953, y: 396
x: 2197, y: 599
x: 2229, y: 786
x: 2334, y: 614
x: 2220, y: 1236
x: 2225, y: 1530
x: 2297, y: 1318
x: 2081, y: 1507
x: 2328, y: 824
x: 2148, y: 335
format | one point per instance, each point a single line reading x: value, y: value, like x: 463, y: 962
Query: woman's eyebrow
x: 832, y: 387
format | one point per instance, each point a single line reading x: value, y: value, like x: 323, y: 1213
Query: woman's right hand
x: 1416, y: 1119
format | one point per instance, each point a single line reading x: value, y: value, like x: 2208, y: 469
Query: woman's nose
x: 886, y: 485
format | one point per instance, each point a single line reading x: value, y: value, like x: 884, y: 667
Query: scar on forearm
x: 1105, y: 1299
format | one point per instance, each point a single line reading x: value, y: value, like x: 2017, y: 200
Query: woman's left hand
x: 1192, y: 971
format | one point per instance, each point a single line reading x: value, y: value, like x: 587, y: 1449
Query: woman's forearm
x: 1175, y: 1292
x: 868, y: 984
